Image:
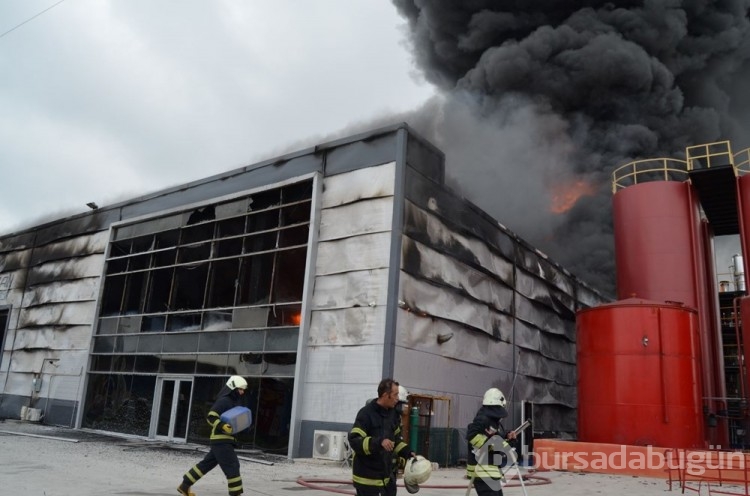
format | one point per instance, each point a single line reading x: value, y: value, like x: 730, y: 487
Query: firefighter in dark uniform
x: 376, y: 441
x: 222, y: 442
x: 486, y: 434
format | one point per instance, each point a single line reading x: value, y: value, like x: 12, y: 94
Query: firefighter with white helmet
x: 378, y: 443
x: 487, y: 429
x: 222, y: 441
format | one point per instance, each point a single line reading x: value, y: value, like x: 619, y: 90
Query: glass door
x: 171, y: 415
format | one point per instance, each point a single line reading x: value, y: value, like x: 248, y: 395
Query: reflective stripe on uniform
x: 491, y: 471
x: 478, y: 440
x: 235, y: 484
x: 358, y: 431
x: 370, y: 482
x: 366, y: 445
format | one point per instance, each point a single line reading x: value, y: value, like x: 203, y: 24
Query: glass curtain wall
x: 205, y: 293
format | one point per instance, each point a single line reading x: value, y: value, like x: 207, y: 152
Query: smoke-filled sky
x: 544, y: 94
x: 106, y: 100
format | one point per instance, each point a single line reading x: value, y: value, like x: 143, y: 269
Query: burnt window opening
x: 3, y: 330
x: 189, y: 287
x: 123, y: 403
x: 209, y: 292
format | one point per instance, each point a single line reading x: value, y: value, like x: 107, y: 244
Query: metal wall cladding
x: 639, y: 375
x: 656, y: 242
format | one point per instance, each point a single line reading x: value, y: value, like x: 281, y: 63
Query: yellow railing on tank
x: 742, y: 162
x: 648, y: 170
x: 709, y: 155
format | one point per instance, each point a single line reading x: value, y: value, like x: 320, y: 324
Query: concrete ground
x: 96, y: 465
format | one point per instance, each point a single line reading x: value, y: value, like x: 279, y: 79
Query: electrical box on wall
x: 36, y: 384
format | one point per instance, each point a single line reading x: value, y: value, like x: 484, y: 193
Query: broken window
x: 212, y: 291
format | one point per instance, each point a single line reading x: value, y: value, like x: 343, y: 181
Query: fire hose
x: 324, y: 484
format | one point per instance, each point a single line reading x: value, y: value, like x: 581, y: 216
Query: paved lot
x: 95, y: 465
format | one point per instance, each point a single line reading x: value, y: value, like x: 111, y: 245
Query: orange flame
x: 296, y: 319
x: 564, y: 196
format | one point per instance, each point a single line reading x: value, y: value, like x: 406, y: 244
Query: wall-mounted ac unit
x: 329, y: 445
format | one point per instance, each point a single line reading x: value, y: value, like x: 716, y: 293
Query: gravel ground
x: 98, y: 465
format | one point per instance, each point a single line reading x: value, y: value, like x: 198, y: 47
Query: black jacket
x: 373, y: 466
x: 226, y: 400
x: 486, y: 419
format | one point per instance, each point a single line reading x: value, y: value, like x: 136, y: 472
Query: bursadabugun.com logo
x: 493, y: 459
x: 496, y: 452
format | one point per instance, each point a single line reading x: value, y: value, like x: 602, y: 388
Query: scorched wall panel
x: 349, y: 300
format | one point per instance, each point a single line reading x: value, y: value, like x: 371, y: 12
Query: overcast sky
x: 105, y: 100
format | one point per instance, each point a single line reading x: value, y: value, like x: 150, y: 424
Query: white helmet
x: 417, y: 471
x: 236, y: 381
x: 494, y: 397
x: 403, y: 395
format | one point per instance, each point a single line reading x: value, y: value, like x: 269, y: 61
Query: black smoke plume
x: 539, y: 93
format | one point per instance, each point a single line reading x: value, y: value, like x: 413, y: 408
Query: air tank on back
x: 639, y: 376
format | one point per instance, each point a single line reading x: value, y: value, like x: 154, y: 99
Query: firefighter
x: 377, y: 442
x: 488, y: 439
x: 221, y: 442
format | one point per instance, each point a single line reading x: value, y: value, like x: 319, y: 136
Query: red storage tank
x: 661, y: 256
x: 743, y: 200
x: 657, y: 242
x: 639, y: 378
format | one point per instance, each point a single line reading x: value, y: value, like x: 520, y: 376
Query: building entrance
x: 171, y: 414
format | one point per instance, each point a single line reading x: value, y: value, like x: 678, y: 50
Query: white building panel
x: 84, y: 244
x: 349, y: 364
x: 363, y: 217
x: 74, y: 313
x: 13, y: 283
x: 73, y: 268
x: 70, y: 362
x: 78, y: 290
x: 72, y: 338
x: 369, y: 251
x: 347, y: 327
x: 372, y: 182
x: 336, y: 402
x: 352, y: 289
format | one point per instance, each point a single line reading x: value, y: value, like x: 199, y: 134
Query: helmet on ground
x: 236, y: 381
x: 494, y: 397
x: 403, y: 394
x: 417, y: 471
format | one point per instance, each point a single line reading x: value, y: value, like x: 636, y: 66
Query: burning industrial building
x: 317, y: 273
x: 313, y: 275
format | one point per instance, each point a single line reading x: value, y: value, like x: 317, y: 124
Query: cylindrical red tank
x: 639, y: 378
x: 743, y: 204
x: 660, y: 256
x: 656, y: 242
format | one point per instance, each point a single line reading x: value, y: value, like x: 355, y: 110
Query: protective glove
x: 226, y: 428
x: 411, y: 488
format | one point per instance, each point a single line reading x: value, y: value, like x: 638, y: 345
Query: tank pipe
x: 662, y: 372
x: 710, y: 289
x: 740, y: 353
x: 706, y: 368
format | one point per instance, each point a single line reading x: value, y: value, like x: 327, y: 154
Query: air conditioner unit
x: 329, y: 445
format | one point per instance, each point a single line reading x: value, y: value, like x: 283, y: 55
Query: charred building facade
x: 313, y: 275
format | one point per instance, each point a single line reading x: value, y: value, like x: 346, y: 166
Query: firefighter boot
x: 185, y: 490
